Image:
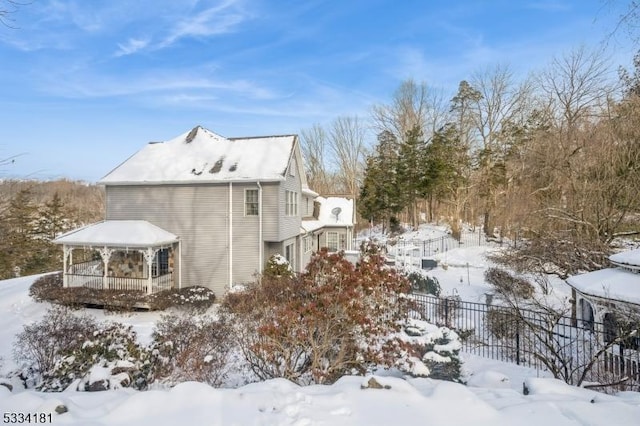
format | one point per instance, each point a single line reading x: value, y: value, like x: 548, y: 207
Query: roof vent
x: 233, y: 167
x: 336, y: 212
x: 192, y: 134
x: 217, y: 166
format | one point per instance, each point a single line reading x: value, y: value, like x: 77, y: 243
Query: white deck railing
x: 163, y: 282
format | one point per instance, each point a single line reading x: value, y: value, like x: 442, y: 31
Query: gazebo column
x: 149, y: 254
x: 66, y: 253
x: 105, y: 254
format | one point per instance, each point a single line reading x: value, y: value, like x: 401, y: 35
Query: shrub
x: 195, y: 298
x: 49, y: 288
x: 503, y: 323
x: 424, y: 284
x: 434, y: 351
x: 64, y: 347
x: 113, y: 351
x: 190, y: 348
x: 508, y: 285
x: 331, y: 320
x: 41, y: 344
x: 277, y: 266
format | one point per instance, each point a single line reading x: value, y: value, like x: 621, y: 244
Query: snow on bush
x: 433, y: 351
x: 188, y: 348
x: 277, y: 266
x: 66, y: 348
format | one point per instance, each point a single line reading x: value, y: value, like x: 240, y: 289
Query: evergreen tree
x: 412, y: 178
x: 19, y: 243
x: 379, y: 197
x: 446, y: 162
x: 52, y: 221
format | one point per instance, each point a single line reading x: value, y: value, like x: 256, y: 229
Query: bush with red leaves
x: 336, y: 318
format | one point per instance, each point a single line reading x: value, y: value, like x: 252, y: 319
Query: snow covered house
x: 603, y: 294
x: 202, y: 209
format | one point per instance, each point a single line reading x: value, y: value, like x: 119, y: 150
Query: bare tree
x: 578, y: 86
x: 8, y: 7
x: 348, y: 146
x: 498, y: 109
x: 314, y: 144
x: 408, y: 109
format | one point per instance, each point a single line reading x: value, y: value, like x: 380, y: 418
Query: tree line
x: 553, y: 158
x: 33, y: 213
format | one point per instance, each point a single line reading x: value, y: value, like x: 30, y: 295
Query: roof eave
x: 190, y: 182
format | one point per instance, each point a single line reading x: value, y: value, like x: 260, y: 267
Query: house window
x: 291, y: 206
x: 335, y: 241
x: 289, y: 254
x: 251, y: 202
x: 160, y: 265
x: 308, y: 244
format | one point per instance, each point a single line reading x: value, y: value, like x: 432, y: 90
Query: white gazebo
x: 121, y: 255
x: 600, y: 295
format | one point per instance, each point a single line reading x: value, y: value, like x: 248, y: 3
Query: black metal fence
x: 574, y: 351
x: 419, y: 248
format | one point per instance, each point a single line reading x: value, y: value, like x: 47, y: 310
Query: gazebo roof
x: 611, y: 283
x: 118, y: 233
x: 629, y: 259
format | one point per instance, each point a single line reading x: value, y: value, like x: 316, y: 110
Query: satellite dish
x: 336, y: 212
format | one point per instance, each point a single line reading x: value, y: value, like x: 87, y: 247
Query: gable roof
x: 201, y: 156
x: 118, y: 233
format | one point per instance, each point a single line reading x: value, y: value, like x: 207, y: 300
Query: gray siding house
x: 200, y: 209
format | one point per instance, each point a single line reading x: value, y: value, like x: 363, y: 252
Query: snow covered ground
x: 493, y: 395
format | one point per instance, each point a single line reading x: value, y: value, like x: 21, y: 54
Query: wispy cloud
x: 131, y: 46
x: 548, y: 5
x: 220, y: 19
x: 168, y: 84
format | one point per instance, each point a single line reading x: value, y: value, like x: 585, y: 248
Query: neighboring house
x: 202, y: 209
x: 330, y: 225
x: 602, y: 295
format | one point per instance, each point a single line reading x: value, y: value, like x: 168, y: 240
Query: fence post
x: 517, y: 347
x: 446, y: 312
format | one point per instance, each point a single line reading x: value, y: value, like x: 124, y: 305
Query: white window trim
x: 291, y: 203
x: 292, y: 252
x: 246, y: 202
x: 308, y: 244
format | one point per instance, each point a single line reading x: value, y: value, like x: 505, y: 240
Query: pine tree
x: 19, y: 244
x: 412, y: 177
x: 379, y: 197
x: 52, y: 221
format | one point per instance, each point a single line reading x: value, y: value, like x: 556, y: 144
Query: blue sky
x: 86, y: 83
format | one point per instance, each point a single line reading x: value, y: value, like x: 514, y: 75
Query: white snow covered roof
x: 203, y: 156
x: 118, y: 233
x: 629, y: 258
x: 610, y: 283
x: 336, y: 211
x: 310, y: 225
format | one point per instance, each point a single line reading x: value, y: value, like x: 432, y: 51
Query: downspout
x: 179, y: 264
x: 260, y: 242
x: 230, y: 235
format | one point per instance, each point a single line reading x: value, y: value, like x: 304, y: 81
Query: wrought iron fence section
x: 569, y: 349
